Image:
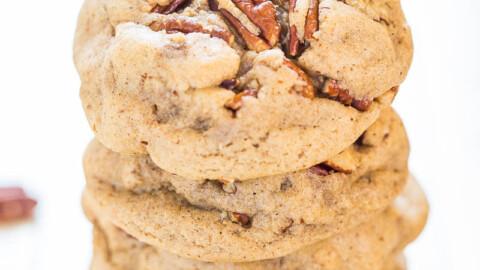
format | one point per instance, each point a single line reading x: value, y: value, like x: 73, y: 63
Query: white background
x: 43, y: 132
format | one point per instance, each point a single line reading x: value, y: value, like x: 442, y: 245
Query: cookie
x: 270, y: 216
x: 205, y: 96
x: 366, y: 178
x: 372, y: 245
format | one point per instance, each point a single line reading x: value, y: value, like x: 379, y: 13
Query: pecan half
x: 333, y: 90
x: 310, y: 23
x: 308, y: 90
x: 241, y: 219
x: 14, y: 204
x: 168, y: 9
x: 235, y: 103
x: 260, y: 13
x: 184, y: 24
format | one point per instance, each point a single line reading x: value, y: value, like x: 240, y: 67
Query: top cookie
x: 238, y: 90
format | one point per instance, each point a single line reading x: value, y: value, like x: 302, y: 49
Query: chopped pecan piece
x: 310, y: 23
x: 261, y: 13
x: 242, y: 219
x: 321, y: 169
x: 293, y: 42
x: 236, y: 102
x: 168, y: 9
x: 332, y: 89
x: 14, y: 204
x: 362, y: 105
x: 229, y: 84
x: 308, y: 90
x: 224, y: 181
x: 184, y: 24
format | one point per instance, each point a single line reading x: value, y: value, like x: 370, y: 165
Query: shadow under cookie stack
x: 246, y: 134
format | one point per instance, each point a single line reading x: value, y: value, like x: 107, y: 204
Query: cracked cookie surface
x: 274, y: 214
x: 371, y: 245
x: 159, y: 77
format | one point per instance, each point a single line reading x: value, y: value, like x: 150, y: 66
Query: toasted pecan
x: 308, y: 90
x: 236, y: 102
x: 333, y: 90
x: 261, y: 13
x: 184, y: 24
x: 168, y: 9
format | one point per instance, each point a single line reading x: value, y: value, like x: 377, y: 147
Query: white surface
x: 43, y: 132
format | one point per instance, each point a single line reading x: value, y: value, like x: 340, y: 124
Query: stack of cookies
x: 253, y: 134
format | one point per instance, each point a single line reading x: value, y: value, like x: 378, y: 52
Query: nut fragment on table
x: 14, y: 204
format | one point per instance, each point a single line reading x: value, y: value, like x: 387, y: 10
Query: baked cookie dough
x: 370, y: 246
x: 205, y: 96
x: 269, y: 217
x: 370, y: 173
x: 396, y: 262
